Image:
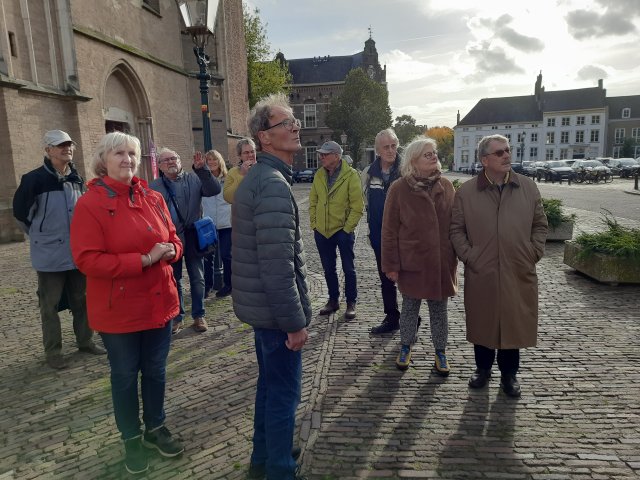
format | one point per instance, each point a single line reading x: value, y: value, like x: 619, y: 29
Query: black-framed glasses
x: 501, y: 152
x: 287, y: 123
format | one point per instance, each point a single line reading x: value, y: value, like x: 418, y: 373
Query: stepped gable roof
x: 616, y: 104
x: 503, y: 110
x: 577, y: 99
x: 323, y: 69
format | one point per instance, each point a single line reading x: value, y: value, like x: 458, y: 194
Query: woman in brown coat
x: 416, y: 251
x: 498, y: 229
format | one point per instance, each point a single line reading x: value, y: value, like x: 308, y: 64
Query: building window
x: 465, y: 141
x: 310, y: 115
x: 549, y: 154
x: 579, y: 120
x: 636, y: 151
x: 508, y: 136
x: 533, y: 153
x: 595, y: 119
x: 522, y: 137
x: 551, y: 137
x: 595, y: 136
x: 551, y: 122
x: 12, y: 44
x: 534, y: 137
x: 564, y: 154
x: 564, y: 137
x: 618, y: 136
x: 580, y: 136
x: 626, y: 113
x: 494, y: 127
x: 507, y: 126
x: 566, y: 121
x: 464, y: 158
x: 635, y: 134
x: 616, y: 151
x: 311, y: 156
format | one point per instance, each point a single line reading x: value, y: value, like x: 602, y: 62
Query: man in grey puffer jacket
x: 269, y: 284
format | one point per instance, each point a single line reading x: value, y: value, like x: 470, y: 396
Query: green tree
x: 627, y: 148
x: 444, y: 137
x: 406, y: 128
x: 361, y: 111
x: 265, y: 75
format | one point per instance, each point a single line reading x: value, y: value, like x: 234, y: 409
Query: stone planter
x: 562, y: 232
x: 603, y: 268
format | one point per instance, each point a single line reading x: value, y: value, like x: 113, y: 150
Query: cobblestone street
x: 360, y: 417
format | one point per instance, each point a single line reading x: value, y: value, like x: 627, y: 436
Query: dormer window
x: 626, y: 113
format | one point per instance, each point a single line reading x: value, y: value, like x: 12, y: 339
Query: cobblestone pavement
x: 578, y: 418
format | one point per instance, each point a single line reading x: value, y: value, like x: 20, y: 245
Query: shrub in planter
x: 560, y: 224
x: 611, y: 256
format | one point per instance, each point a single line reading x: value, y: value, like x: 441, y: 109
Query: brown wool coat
x: 500, y: 238
x: 415, y: 239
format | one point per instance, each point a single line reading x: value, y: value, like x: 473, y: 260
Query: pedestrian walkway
x: 578, y: 418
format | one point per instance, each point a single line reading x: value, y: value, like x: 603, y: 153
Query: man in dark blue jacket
x: 43, y: 206
x: 376, y: 179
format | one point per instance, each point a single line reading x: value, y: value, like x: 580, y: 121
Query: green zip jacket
x: 339, y: 208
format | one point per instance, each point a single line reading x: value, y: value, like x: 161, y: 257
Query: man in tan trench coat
x: 498, y: 230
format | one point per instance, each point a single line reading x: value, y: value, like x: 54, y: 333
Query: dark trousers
x: 195, y: 270
x: 130, y: 354
x: 508, y: 360
x: 50, y: 288
x: 224, y: 244
x: 277, y: 398
x: 344, y: 242
x: 389, y: 290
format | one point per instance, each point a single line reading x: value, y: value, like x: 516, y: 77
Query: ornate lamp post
x: 199, y: 17
x: 343, y: 141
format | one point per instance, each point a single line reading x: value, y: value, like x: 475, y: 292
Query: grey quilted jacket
x: 268, y: 264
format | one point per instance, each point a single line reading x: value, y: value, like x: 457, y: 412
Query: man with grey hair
x: 246, y: 151
x: 43, y: 205
x: 498, y: 230
x: 183, y: 192
x: 376, y: 180
x: 270, y: 291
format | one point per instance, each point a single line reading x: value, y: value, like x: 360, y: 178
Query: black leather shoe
x: 510, y: 385
x: 350, y: 312
x: 479, y: 378
x: 330, y: 307
x: 93, y: 349
x: 391, y: 323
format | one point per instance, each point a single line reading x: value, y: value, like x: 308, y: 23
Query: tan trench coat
x: 500, y: 238
x: 415, y: 239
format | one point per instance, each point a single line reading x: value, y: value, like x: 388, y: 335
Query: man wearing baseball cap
x: 335, y: 207
x: 43, y: 206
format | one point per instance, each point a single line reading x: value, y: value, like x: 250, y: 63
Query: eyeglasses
x: 287, y: 123
x: 500, y: 153
x: 65, y: 145
x: 168, y: 159
x: 430, y: 155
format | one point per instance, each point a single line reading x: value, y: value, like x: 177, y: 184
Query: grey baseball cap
x: 56, y: 137
x: 330, y: 147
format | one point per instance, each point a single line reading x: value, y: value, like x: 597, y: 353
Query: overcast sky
x: 444, y: 55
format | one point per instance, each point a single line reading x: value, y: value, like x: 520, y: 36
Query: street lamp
x: 522, y: 137
x: 199, y: 17
x: 343, y: 140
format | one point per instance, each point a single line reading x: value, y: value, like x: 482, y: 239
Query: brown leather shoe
x: 330, y: 307
x: 350, y: 312
x: 200, y: 325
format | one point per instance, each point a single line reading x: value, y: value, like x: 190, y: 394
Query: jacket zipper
x: 44, y: 215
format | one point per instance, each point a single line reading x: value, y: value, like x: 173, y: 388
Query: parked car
x: 624, y: 167
x: 556, y: 170
x: 530, y: 168
x: 591, y: 170
x: 476, y: 168
x: 306, y: 175
x: 538, y: 169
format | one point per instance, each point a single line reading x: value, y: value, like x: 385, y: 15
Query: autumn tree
x: 444, y: 137
x: 406, y: 129
x: 264, y: 73
x: 361, y: 111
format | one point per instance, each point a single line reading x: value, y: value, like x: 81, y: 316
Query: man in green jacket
x: 335, y: 207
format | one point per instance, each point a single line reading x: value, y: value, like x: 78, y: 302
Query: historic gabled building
x: 89, y: 67
x: 315, y: 82
x: 623, y: 123
x: 564, y: 124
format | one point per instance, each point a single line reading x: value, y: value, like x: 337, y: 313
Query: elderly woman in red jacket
x: 123, y: 240
x: 416, y: 251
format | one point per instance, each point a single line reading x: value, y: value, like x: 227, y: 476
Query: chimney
x: 600, y: 86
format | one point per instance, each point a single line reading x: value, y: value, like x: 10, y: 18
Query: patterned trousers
x: 437, y: 318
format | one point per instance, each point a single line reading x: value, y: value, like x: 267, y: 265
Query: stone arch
x: 126, y: 108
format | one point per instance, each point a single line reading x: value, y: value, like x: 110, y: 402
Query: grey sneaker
x: 135, y: 460
x: 160, y: 438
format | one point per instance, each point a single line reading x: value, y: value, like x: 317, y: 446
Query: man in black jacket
x: 43, y: 206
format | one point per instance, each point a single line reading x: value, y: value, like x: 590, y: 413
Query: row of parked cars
x: 557, y: 170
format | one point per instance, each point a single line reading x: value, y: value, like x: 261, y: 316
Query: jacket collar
x: 72, y: 176
x: 112, y: 188
x: 376, y: 168
x: 484, y: 182
x: 276, y: 163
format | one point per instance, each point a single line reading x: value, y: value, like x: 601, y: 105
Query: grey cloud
x: 491, y: 61
x: 591, y: 72
x: 584, y: 24
x: 629, y: 8
x: 519, y: 41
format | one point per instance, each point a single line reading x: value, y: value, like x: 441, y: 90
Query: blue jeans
x: 344, y: 242
x: 195, y: 270
x: 277, y: 398
x: 130, y: 354
x: 224, y: 244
